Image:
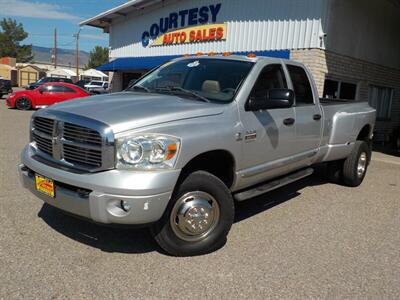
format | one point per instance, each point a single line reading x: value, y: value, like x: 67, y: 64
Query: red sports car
x: 45, y: 95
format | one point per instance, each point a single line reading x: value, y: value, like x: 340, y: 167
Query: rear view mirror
x: 275, y: 98
x: 280, y: 98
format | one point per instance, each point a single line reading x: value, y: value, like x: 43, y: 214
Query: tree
x: 10, y: 37
x: 97, y: 57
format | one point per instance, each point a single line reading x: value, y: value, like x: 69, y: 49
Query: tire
x: 23, y: 103
x: 356, y: 165
x: 198, y: 217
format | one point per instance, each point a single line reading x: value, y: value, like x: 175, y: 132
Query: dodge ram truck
x: 177, y: 150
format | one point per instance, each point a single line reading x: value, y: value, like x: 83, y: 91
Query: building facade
x: 351, y: 46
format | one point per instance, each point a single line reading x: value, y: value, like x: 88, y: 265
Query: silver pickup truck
x: 178, y: 148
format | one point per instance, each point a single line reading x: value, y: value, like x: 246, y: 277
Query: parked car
x: 97, y: 87
x: 45, y: 95
x: 5, y: 87
x: 43, y: 80
x: 187, y: 140
x: 81, y: 83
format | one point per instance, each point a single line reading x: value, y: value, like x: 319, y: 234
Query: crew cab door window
x: 308, y: 116
x: 301, y: 85
x: 271, y: 77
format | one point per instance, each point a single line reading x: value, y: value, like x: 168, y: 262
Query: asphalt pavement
x: 311, y: 239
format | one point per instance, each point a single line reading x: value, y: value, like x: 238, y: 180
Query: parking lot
x: 311, y: 239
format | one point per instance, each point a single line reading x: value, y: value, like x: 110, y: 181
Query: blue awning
x: 150, y: 62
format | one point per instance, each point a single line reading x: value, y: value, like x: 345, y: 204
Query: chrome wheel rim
x: 362, y: 164
x: 194, y: 216
x: 23, y: 103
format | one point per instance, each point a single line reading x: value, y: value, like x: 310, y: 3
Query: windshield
x: 213, y: 79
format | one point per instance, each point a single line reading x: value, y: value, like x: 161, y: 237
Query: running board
x: 272, y: 185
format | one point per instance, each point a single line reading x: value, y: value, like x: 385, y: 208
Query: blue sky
x: 40, y: 17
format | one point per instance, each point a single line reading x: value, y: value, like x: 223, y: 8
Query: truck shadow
x: 105, y: 238
x: 139, y: 240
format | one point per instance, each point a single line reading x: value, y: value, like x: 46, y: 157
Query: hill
x: 64, y: 56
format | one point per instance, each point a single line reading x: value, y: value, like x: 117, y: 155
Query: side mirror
x: 41, y: 91
x: 275, y: 98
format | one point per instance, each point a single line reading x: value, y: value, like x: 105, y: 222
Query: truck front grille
x: 81, y: 134
x: 70, y: 144
x: 81, y: 155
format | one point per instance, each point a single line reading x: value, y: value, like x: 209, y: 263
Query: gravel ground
x: 311, y: 239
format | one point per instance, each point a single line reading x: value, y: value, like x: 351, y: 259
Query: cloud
x: 21, y: 8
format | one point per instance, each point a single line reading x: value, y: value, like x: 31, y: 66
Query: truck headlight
x: 147, y: 152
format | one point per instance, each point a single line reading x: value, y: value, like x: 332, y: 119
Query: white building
x: 61, y: 73
x: 351, y: 46
x: 93, y: 74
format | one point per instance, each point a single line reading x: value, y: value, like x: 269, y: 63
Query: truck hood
x: 131, y: 110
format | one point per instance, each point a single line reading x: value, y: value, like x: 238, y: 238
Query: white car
x: 96, y: 84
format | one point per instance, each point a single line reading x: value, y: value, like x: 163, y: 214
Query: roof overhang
x: 104, y: 19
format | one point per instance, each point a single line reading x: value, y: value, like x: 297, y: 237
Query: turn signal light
x: 226, y: 54
x: 199, y: 53
x: 212, y: 54
x: 251, y: 55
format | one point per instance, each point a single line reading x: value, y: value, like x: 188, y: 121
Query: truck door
x: 268, y: 136
x: 308, y: 113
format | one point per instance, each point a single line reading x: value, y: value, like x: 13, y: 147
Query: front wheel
x: 23, y: 103
x: 198, y: 217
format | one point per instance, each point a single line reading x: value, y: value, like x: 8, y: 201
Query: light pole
x: 76, y: 35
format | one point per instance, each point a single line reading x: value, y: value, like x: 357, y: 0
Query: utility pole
x: 77, y: 53
x: 55, y: 48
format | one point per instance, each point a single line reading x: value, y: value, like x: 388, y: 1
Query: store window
x: 335, y: 89
x: 381, y: 98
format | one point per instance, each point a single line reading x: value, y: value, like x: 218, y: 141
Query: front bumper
x: 98, y: 196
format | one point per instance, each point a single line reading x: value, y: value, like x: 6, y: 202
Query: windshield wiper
x: 140, y: 87
x: 183, y: 91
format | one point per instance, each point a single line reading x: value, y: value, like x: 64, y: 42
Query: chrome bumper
x: 98, y: 196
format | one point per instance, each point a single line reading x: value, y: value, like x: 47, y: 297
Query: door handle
x: 288, y: 121
x: 317, y: 117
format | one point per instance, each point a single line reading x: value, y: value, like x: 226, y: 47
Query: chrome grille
x: 43, y: 134
x: 82, y: 155
x: 74, y: 145
x: 81, y: 134
x: 44, y: 125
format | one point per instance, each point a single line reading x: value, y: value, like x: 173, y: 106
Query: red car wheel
x: 23, y: 103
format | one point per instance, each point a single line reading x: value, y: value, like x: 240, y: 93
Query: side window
x: 271, y: 77
x: 301, y: 85
x: 56, y: 89
x: 45, y: 89
x: 68, y: 90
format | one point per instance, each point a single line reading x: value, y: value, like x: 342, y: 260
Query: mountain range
x: 64, y: 56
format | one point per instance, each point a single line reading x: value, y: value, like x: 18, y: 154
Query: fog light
x: 125, y: 206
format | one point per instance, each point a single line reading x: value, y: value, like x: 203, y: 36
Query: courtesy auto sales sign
x: 203, y: 33
x: 186, y: 26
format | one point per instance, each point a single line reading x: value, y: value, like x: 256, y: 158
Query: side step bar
x: 272, y: 185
